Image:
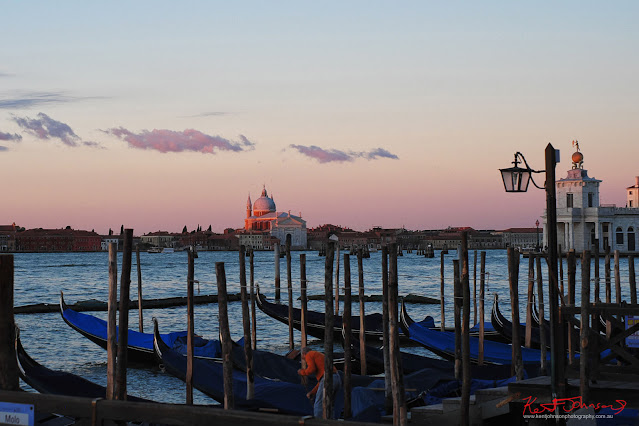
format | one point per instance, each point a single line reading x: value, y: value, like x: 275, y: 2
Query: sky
x: 157, y: 115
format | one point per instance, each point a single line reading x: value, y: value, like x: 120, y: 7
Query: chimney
x: 637, y: 181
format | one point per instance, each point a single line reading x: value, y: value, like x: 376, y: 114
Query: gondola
x: 412, y: 363
x: 505, y: 327
x: 442, y: 343
x: 283, y: 397
x: 140, y: 345
x: 55, y: 382
x: 315, y: 320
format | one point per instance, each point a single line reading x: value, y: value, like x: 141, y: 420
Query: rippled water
x: 39, y: 278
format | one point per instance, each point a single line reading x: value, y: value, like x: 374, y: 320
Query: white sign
x: 16, y: 414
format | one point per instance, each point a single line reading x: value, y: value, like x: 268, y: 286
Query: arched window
x: 631, y: 239
x: 619, y: 236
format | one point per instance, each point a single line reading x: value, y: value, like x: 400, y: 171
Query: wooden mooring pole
x: 561, y: 270
x: 584, y: 356
x: 596, y: 254
x: 441, y: 292
x: 276, y: 252
x: 253, y: 313
x: 482, y: 274
x: 608, y: 289
x: 8, y: 363
x: 348, y: 330
x: 465, y: 396
x: 303, y: 300
x: 140, y: 312
x: 457, y: 297
x: 112, y: 307
x: 190, y: 325
x: 513, y: 281
x: 542, y: 329
x: 328, y: 396
x: 475, y: 288
x: 225, y: 336
x: 400, y: 416
x: 289, y: 287
x: 617, y: 278
x: 362, y: 313
x: 337, y: 280
x: 529, y: 303
x: 123, y: 326
x: 632, y: 280
x: 246, y: 325
x: 571, y: 263
x: 388, y: 386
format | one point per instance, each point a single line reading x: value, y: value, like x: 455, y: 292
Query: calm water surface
x: 39, y: 278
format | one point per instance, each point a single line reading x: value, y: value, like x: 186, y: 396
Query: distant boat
x: 168, y: 250
x: 154, y: 250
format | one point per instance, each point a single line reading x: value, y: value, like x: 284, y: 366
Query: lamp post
x: 537, y: 225
x: 516, y: 179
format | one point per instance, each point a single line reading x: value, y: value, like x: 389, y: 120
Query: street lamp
x: 537, y: 225
x: 516, y: 180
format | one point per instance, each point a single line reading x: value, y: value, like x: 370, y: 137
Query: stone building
x: 263, y: 216
x: 582, y: 220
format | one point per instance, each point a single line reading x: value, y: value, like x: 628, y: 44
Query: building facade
x: 263, y: 216
x: 583, y: 223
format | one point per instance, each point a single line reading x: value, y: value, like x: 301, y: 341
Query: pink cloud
x: 335, y: 155
x: 187, y: 140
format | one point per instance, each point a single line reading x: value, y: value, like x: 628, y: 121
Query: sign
x: 632, y: 341
x: 16, y: 414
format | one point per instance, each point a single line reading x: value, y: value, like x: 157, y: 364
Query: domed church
x: 263, y: 216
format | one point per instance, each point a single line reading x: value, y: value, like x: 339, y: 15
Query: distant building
x: 263, y: 216
x: 158, y: 239
x: 521, y: 238
x: 8, y: 237
x: 57, y: 240
x: 582, y: 220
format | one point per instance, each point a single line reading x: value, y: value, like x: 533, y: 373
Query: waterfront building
x: 57, y: 240
x: 158, y: 239
x: 263, y: 216
x: 582, y: 220
x: 108, y: 239
x: 8, y: 237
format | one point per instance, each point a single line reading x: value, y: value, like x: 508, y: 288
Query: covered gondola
x: 505, y: 328
x: 140, y: 345
x: 442, y: 343
x: 283, y: 397
x: 45, y: 380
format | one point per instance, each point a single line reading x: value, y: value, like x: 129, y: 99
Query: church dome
x: 263, y: 205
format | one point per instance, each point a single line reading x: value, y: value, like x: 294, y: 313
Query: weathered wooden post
x: 140, y: 314
x: 480, y: 357
x: 276, y: 251
x: 441, y: 292
x: 9, y: 379
x: 112, y: 307
x: 328, y: 332
x: 303, y: 299
x: 246, y: 325
x: 584, y: 356
x: 457, y: 297
x: 289, y: 287
x: 337, y: 280
x: 542, y: 327
x: 529, y: 304
x: 561, y: 269
x: 123, y: 326
x: 190, y: 326
x: 617, y: 278
x: 348, y: 330
x: 513, y: 281
x: 362, y: 314
x: 572, y: 273
x: 608, y: 289
x: 596, y: 246
x: 388, y: 386
x: 253, y: 314
x: 632, y: 280
x: 400, y: 416
x: 475, y: 288
x: 465, y: 396
x: 225, y: 336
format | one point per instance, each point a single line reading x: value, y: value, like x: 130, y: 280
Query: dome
x: 263, y: 205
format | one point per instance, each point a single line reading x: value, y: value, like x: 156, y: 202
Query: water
x: 40, y: 277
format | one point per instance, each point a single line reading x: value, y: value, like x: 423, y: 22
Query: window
x: 591, y: 199
x: 569, y: 200
x: 619, y: 236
